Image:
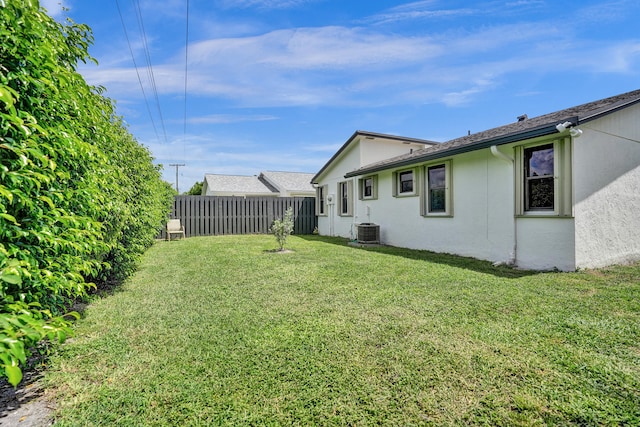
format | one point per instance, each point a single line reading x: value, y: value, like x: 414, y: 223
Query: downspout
x: 354, y: 213
x: 504, y: 157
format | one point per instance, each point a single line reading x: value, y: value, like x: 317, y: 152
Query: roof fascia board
x: 609, y: 110
x: 501, y: 140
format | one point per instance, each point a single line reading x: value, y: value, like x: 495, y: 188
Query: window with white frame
x: 437, y: 190
x: 543, y: 173
x: 405, y: 183
x: 368, y: 188
x: 345, y: 199
x: 321, y: 200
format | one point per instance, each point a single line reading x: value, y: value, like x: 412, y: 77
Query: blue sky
x: 282, y: 84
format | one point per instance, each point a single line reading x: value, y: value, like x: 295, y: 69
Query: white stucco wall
x: 376, y: 149
x: 482, y: 224
x: 546, y: 243
x: 607, y: 190
x: 332, y: 224
x: 603, y: 228
x: 362, y: 151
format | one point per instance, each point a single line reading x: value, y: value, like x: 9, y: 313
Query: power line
x: 150, y: 74
x: 135, y: 65
x: 186, y: 75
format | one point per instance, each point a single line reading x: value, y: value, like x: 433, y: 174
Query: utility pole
x: 177, y: 165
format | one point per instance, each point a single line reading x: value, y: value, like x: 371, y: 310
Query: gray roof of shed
x: 513, y: 132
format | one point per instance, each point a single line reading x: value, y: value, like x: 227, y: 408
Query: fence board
x: 215, y: 215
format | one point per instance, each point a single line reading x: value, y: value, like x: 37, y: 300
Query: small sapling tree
x: 282, y: 228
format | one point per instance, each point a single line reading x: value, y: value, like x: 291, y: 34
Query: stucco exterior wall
x: 546, y: 243
x: 332, y: 224
x: 361, y: 151
x: 482, y: 224
x: 374, y: 150
x: 607, y: 190
x: 597, y: 218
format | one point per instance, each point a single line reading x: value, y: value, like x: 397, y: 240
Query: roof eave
x: 363, y: 133
x: 505, y: 139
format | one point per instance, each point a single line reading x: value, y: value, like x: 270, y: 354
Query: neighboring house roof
x: 289, y: 182
x: 237, y: 185
x: 360, y: 133
x: 518, y: 131
x: 268, y: 183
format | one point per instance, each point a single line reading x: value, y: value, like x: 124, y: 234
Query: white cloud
x: 230, y: 118
x: 416, y: 11
x: 334, y: 65
x: 54, y: 7
x: 264, y: 4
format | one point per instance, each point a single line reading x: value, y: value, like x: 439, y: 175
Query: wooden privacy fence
x: 214, y: 215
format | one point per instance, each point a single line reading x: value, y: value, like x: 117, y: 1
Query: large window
x: 405, y: 183
x: 321, y: 200
x: 437, y: 190
x: 539, y: 178
x: 345, y: 198
x: 368, y: 188
x: 544, y: 179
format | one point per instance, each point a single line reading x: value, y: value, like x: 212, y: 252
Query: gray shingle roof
x: 289, y: 181
x: 237, y: 184
x: 518, y: 131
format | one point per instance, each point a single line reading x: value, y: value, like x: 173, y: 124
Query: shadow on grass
x: 473, y: 264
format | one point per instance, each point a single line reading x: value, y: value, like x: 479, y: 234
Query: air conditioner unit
x: 368, y: 233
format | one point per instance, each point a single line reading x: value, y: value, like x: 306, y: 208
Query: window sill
x: 544, y: 215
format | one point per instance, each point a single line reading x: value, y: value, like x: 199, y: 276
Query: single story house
x: 267, y: 184
x: 558, y: 191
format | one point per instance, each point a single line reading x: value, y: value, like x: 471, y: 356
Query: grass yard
x: 220, y: 331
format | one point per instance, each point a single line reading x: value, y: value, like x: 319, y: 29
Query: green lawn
x: 222, y: 331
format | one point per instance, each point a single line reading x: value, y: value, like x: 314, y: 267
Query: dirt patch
x: 278, y: 251
x: 25, y: 405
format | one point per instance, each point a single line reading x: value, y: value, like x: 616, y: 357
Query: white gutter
x: 499, y: 154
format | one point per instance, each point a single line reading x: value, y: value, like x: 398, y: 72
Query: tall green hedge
x: 80, y: 199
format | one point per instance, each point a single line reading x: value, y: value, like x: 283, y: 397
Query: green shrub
x: 282, y: 228
x: 80, y: 199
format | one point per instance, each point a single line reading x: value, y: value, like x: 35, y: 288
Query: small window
x: 368, y: 188
x: 539, y: 178
x: 405, y: 182
x: 321, y: 200
x: 345, y: 199
x: 437, y: 192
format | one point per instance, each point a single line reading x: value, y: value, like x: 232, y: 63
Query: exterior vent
x: 368, y: 233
